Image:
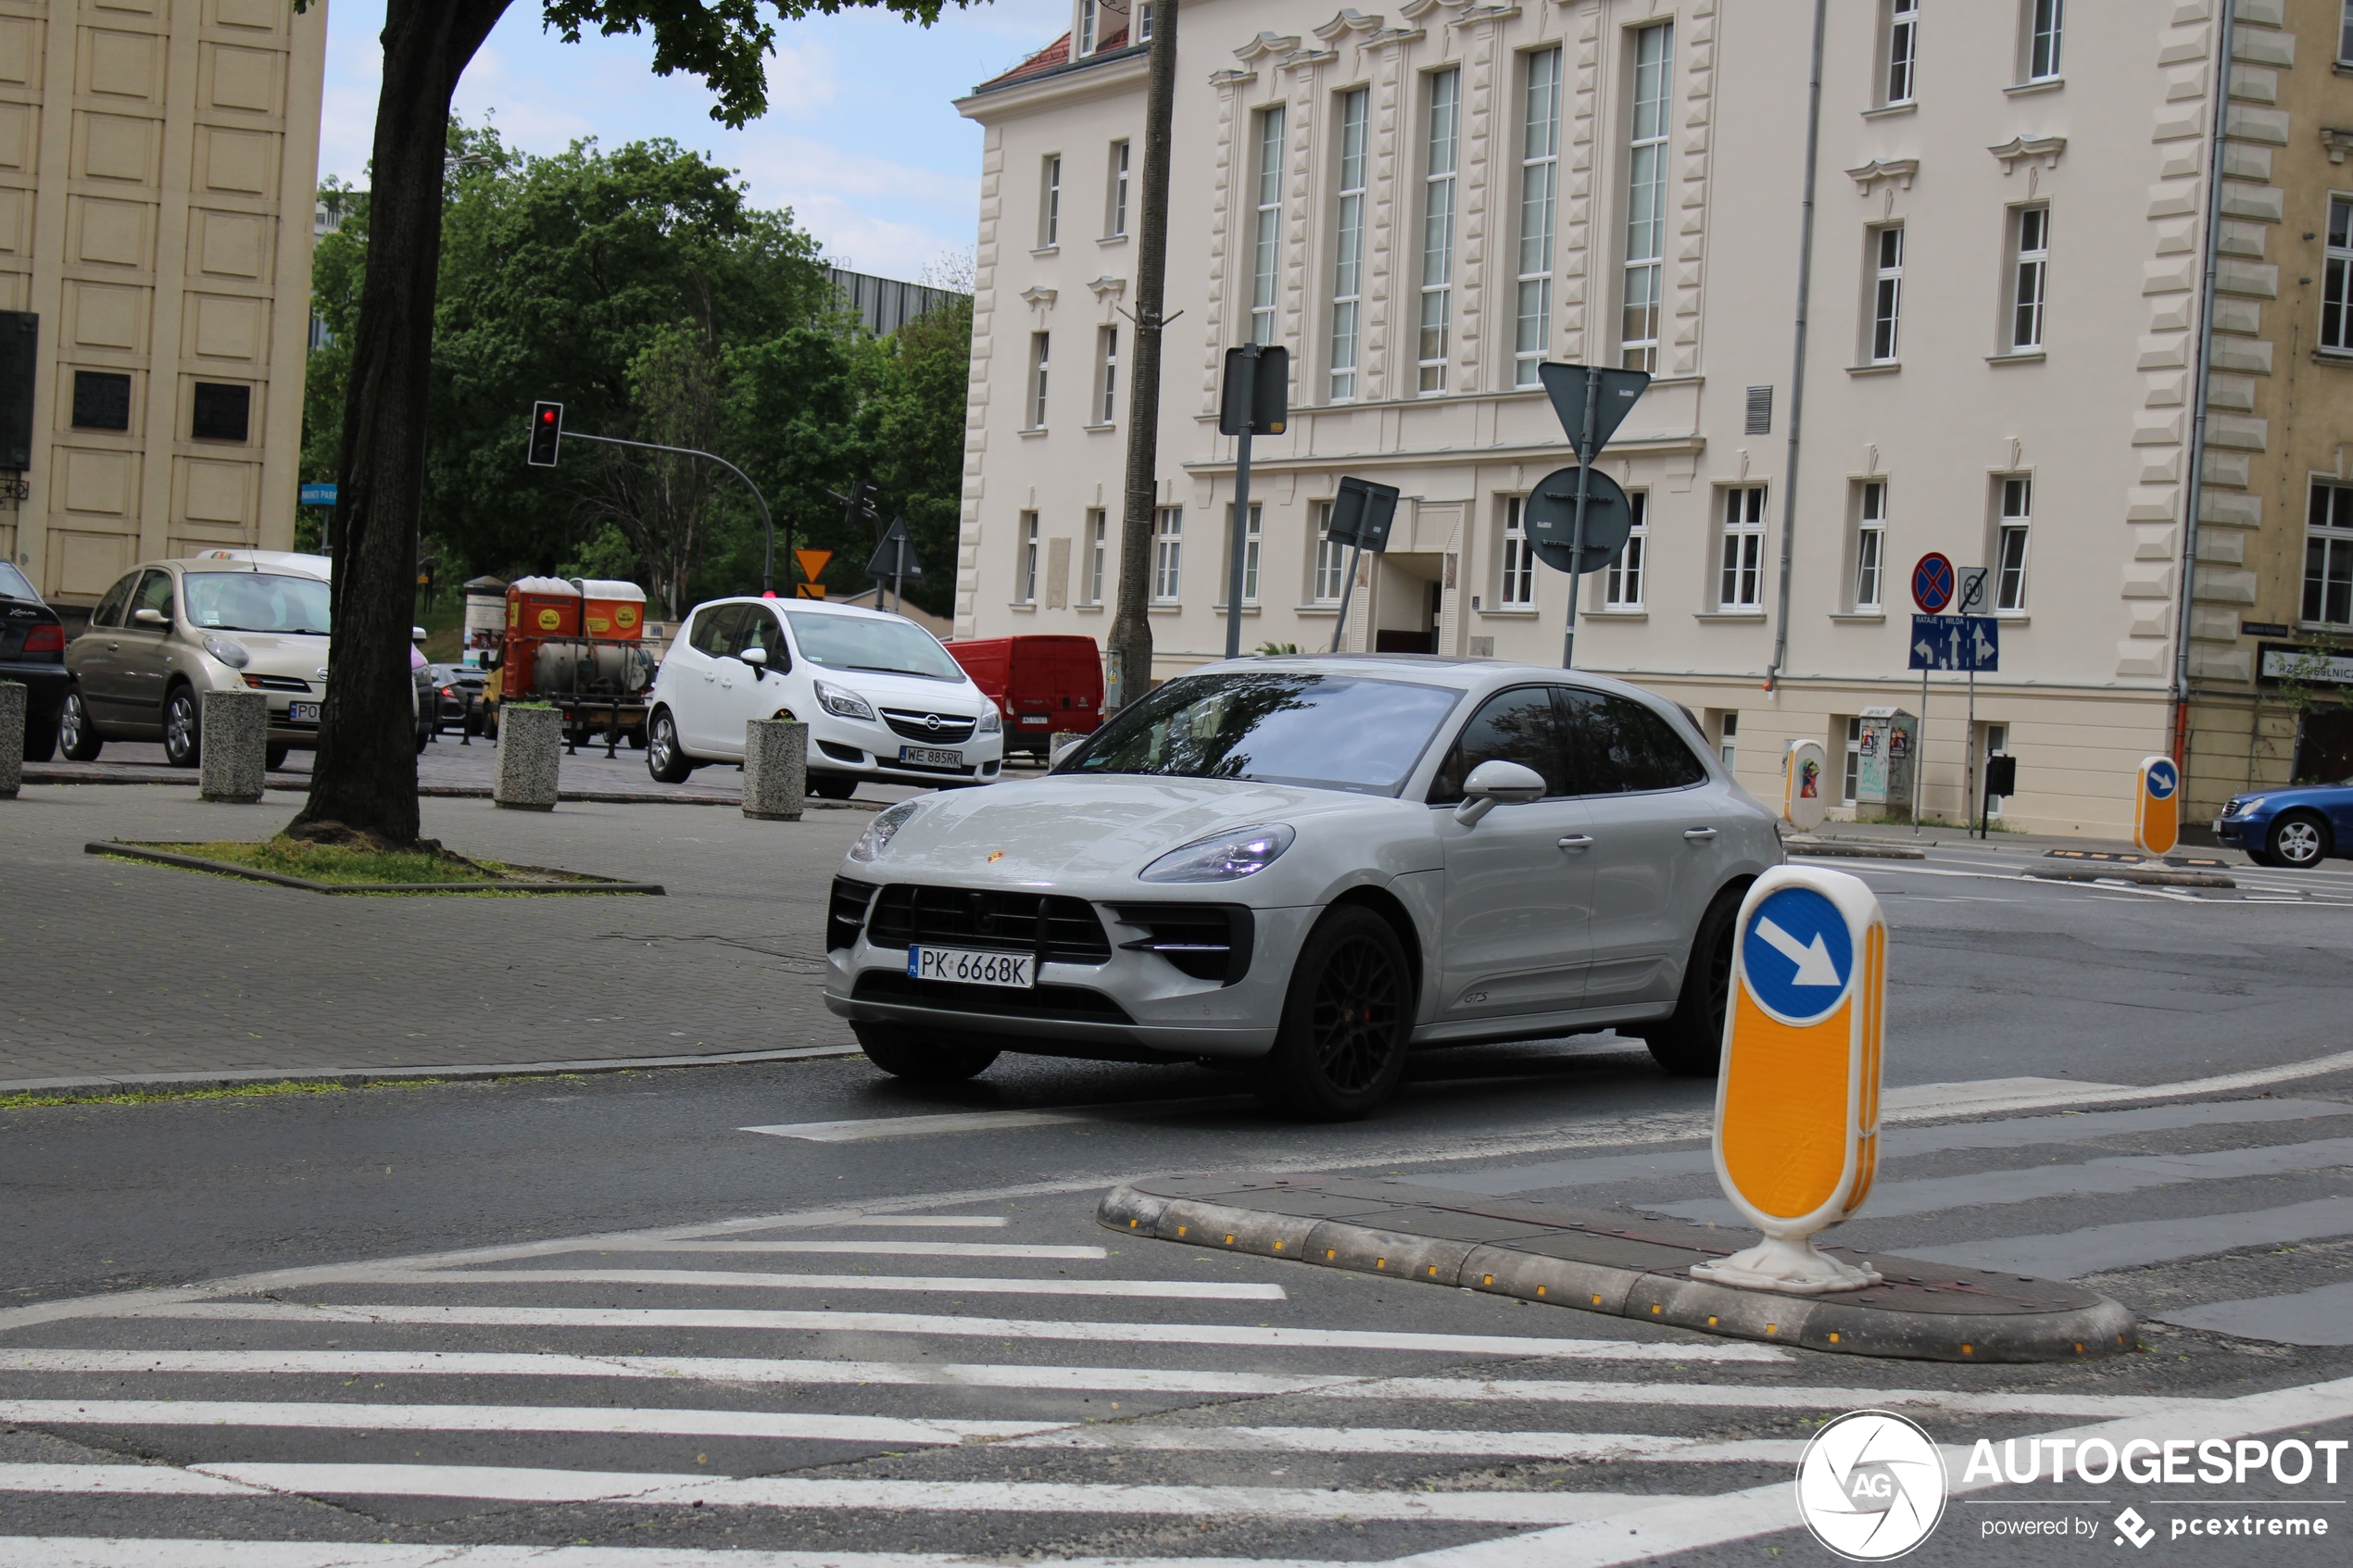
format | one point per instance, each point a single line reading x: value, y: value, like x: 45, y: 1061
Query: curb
x: 2144, y: 876
x: 253, y: 873
x: 359, y: 1077
x: 1853, y: 851
x: 458, y: 792
x: 1603, y: 1263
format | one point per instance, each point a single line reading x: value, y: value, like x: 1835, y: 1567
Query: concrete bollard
x: 1057, y: 740
x: 776, y: 768
x: 236, y: 730
x: 530, y: 749
x: 12, y: 711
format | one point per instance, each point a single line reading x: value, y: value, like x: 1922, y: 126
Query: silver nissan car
x: 1313, y: 865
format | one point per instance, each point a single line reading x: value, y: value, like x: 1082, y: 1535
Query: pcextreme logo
x: 1871, y: 1486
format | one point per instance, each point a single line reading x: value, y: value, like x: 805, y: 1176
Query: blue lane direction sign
x: 316, y: 495
x: 1932, y: 582
x: 1956, y: 643
x: 1799, y: 956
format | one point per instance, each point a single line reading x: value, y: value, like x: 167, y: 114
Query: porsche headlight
x: 228, y: 650
x: 1228, y: 857
x: 879, y: 832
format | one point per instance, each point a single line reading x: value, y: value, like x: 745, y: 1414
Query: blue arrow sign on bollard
x: 1799, y: 955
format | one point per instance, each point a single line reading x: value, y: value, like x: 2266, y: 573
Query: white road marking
x: 967, y: 1221
x: 866, y: 1249
x: 991, y: 1120
x: 336, y: 1416
x: 1144, y: 1289
x: 119, y: 1480
x: 70, y: 1552
x: 985, y: 1329
x: 1139, y: 1437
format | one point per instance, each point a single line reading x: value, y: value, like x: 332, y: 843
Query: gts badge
x: 1471, y: 998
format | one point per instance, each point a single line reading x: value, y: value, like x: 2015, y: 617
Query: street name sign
x: 316, y: 495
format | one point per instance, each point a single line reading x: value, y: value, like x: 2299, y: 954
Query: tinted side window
x: 1622, y: 746
x: 155, y: 593
x: 110, y: 608
x: 1521, y: 725
x: 714, y: 631
x: 760, y: 630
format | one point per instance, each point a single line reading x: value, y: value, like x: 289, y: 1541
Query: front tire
x: 921, y: 1057
x: 666, y: 761
x: 40, y: 738
x: 1342, y: 1048
x: 76, y: 734
x: 183, y: 729
x: 833, y: 786
x: 274, y: 756
x: 2300, y: 841
x: 1690, y: 1043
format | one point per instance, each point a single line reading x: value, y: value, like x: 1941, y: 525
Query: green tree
x: 920, y: 379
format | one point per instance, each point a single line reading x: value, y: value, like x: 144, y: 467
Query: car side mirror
x: 148, y: 615
x: 416, y: 633
x: 757, y: 659
x: 1062, y: 751
x: 1497, y: 784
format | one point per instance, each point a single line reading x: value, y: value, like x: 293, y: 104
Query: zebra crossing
x: 1000, y: 1379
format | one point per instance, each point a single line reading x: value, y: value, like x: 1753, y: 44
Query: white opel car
x: 882, y: 699
x: 1314, y: 865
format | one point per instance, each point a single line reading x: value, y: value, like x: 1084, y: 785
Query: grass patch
x: 340, y: 863
x: 25, y: 1102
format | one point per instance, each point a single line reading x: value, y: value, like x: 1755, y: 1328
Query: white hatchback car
x: 1314, y: 864
x: 882, y: 699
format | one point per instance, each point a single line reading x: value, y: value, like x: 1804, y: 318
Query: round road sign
x: 1798, y: 955
x: 1932, y: 582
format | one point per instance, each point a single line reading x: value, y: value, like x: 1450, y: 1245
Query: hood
x: 274, y: 654
x: 1062, y: 828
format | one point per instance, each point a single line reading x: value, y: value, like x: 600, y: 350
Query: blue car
x: 2296, y: 825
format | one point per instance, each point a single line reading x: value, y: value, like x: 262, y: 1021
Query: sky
x: 861, y: 139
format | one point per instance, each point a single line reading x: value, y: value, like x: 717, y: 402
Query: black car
x: 458, y: 687
x: 33, y: 651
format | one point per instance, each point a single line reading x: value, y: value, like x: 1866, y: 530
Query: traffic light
x: 547, y: 432
x: 859, y: 507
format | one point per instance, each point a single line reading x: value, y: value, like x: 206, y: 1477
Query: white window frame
x: 1348, y: 242
x: 1728, y: 738
x: 1622, y: 579
x: 1115, y: 204
x: 1049, y: 201
x: 1441, y: 156
x: 1850, y: 771
x: 2030, y: 277
x: 2328, y: 557
x: 1330, y: 569
x: 1026, y: 563
x: 2013, y: 533
x: 1516, y: 561
x: 1886, y: 341
x: 1106, y: 374
x: 2337, y: 267
x: 1740, y: 559
x: 1539, y: 199
x: 1266, y: 245
x: 1250, y: 542
x: 1041, y: 346
x: 1168, y: 555
x: 1087, y: 29
x: 2045, y: 28
x: 1643, y: 279
x: 1143, y: 21
x: 1870, y: 583
x: 1098, y: 550
x: 1899, y: 81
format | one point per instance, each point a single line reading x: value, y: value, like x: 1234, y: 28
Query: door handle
x: 113, y: 647
x: 1699, y: 835
x: 1578, y: 841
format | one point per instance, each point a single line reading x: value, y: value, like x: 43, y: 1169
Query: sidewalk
x: 2195, y: 841
x: 127, y: 971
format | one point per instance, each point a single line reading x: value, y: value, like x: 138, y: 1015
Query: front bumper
x: 870, y: 749
x: 1139, y: 1002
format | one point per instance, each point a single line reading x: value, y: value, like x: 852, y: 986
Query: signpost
x: 2156, y: 805
x: 1255, y: 401
x: 812, y: 563
x: 1797, y: 1100
x: 316, y: 495
x: 1932, y: 591
x: 1361, y: 516
x: 1802, y: 803
x: 1591, y: 402
x: 895, y: 558
x: 1969, y: 643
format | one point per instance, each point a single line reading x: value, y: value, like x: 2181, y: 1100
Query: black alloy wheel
x: 1690, y: 1044
x: 665, y: 762
x: 1342, y: 1048
x: 77, y: 736
x: 2300, y: 841
x: 183, y: 729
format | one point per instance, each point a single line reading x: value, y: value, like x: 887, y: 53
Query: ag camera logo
x: 1871, y: 1486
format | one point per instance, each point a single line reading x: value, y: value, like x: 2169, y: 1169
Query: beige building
x: 2275, y: 518
x: 157, y: 167
x: 1423, y: 204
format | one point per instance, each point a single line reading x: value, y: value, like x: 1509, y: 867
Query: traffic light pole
x: 768, y: 560
x: 1585, y: 444
x: 1242, y: 539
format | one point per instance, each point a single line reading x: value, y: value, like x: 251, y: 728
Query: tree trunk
x: 364, y: 778
x: 1130, y: 674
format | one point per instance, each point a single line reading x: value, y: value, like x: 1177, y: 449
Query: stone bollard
x: 235, y: 736
x: 776, y: 768
x: 1060, y: 738
x: 12, y: 711
x: 530, y: 747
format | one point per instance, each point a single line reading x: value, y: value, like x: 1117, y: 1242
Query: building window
x: 1026, y: 567
x: 1870, y: 546
x: 1106, y: 374
x: 1903, y: 50
x: 1116, y: 207
x: 1144, y: 22
x: 1087, y: 26
x: 222, y: 412
x: 1741, y: 561
x: 2033, y: 226
x: 1438, y: 227
x: 1249, y: 553
x: 1728, y: 743
x: 2328, y: 557
x: 1037, y: 347
x: 1332, y: 560
x: 1539, y: 187
x: 2045, y: 19
x: 2009, y: 544
x: 1853, y: 767
x: 1645, y: 275
x: 1168, y: 554
x: 2336, y: 274
x: 1267, y: 263
x: 1097, y: 545
x: 1050, y: 202
x: 1622, y: 579
x: 101, y: 400
x: 1348, y: 243
x: 2345, y: 36
x: 1887, y: 290
x: 1516, y: 588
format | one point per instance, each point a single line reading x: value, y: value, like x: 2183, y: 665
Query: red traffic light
x: 546, y: 435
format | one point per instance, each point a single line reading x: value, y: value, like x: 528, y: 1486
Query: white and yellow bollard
x: 1797, y: 1101
x: 1802, y: 800
x: 2156, y: 805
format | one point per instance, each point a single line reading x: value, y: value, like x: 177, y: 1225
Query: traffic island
x: 362, y: 867
x: 1597, y: 1261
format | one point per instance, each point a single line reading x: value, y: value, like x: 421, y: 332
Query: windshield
x: 13, y: 584
x: 854, y: 642
x: 1331, y: 731
x: 255, y: 601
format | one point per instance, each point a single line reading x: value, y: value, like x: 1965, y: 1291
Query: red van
x: 1040, y: 684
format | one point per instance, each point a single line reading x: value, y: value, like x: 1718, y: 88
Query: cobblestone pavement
x: 119, y: 969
